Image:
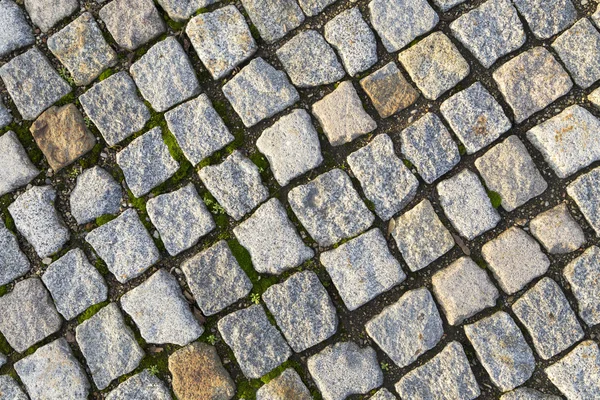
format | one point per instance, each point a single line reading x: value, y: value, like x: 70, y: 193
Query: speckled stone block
x: 96, y: 193
x: 446, y: 5
x: 383, y: 394
x: 583, y: 274
x: 524, y: 393
x: 16, y: 169
x: 286, y: 386
x: 180, y: 10
x: 577, y: 375
x: 16, y: 33
x: 546, y: 18
x: 389, y: 90
x: 314, y: 7
x: 557, y: 231
x: 14, y: 263
x: 274, y: 19
x: 5, y: 115
x: 47, y: 13
x: 143, y: 386
x: 10, y: 388
x: 585, y: 190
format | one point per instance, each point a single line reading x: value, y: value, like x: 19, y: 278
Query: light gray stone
x: 124, y: 245
x: 81, y: 48
x: 132, y: 24
x: 236, y: 184
x: 16, y: 169
x: 557, y: 231
x: 33, y: 71
x: 594, y: 97
x: 16, y: 32
x: 508, y: 169
x: 291, y: 146
x: 446, y: 5
x: 463, y: 289
x: 14, y: 263
x: 160, y: 311
x: 577, y: 374
x: 383, y: 394
x: 546, y: 18
x: 165, y: 75
x: 399, y: 22
x: 271, y: 239
x: 585, y: 190
x: 53, y: 372
x: 309, y: 60
x: 38, y: 221
x: 583, y: 274
x: 75, y: 285
x: 421, y: 237
x: 350, y: 35
x: 502, y: 350
x: 524, y: 393
x: 3, y: 361
x: 342, y: 116
x: 515, y: 259
x: 314, y: 7
x: 344, y: 369
x: 467, y: 205
x: 286, y: 386
x: 259, y: 91
x: 596, y: 16
x: 408, y: 328
x: 568, y: 141
x: 329, y: 208
x: 257, y: 345
x: 5, y: 115
x: 108, y: 346
x: 180, y: 10
x: 143, y: 386
x: 115, y: 108
x: 96, y: 193
x: 47, y: 13
x: 362, y: 268
x: 475, y: 117
x: 274, y: 19
x: 435, y: 65
x: 9, y: 389
x: 490, y: 31
x: 428, y: 145
x: 146, y: 162
x: 531, y: 81
x: 548, y: 317
x: 27, y: 315
x: 221, y: 39
x: 181, y: 218
x: 384, y: 178
x: 215, y: 278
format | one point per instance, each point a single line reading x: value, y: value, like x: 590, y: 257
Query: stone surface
x: 383, y: 394
x: 524, y: 393
x: 502, y: 350
x: 585, y: 190
x: 508, y: 169
x: 399, y: 22
x: 272, y: 240
x: 53, y: 372
x: 108, y: 345
x: 75, y: 285
x: 463, y: 289
x: 198, y: 374
x: 181, y: 218
x: 164, y: 75
x: 257, y: 345
x: 115, y: 108
x: 546, y: 18
x: 389, y: 90
x: 16, y: 33
x: 61, y: 134
x: 38, y: 221
x: 515, y: 259
x: 132, y: 24
x: 329, y: 208
x: 594, y: 97
x: 568, y: 141
x: 421, y: 237
x: 215, y: 278
x: 302, y: 309
x: 557, y: 231
x: 446, y: 376
x: 259, y: 91
x: 160, y: 311
x: 95, y: 194
x: 9, y: 389
x: 314, y: 7
x: 408, y: 328
x: 14, y: 263
x: 354, y: 41
x: 342, y: 116
x: 343, y: 369
x: 236, y: 184
x: 309, y: 60
x: 16, y: 169
x: 490, y: 31
x: 362, y: 268
x: 221, y: 39
x: 32, y: 71
x: 124, y: 245
x: 274, y: 19
x: 146, y: 162
x: 286, y: 386
x: 446, y: 5
x: 5, y: 115
x: 467, y: 205
x: 47, y: 13
x: 27, y: 315
x: 435, y: 65
x: 475, y: 117
x: 583, y: 274
x: 577, y: 375
x: 143, y: 386
x: 180, y: 10
x: 291, y: 145
x: 532, y: 80
x: 384, y: 178
x: 81, y: 48
x: 548, y: 317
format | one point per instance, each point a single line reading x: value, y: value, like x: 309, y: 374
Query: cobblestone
x: 557, y: 231
x: 16, y: 169
x: 17, y: 33
x: 583, y: 275
x: 95, y: 194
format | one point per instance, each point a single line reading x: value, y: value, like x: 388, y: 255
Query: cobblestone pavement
x: 299, y: 199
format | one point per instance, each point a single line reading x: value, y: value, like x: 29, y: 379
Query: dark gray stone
x: 16, y: 32
x: 16, y: 169
x: 14, y: 263
x: 47, y: 13
x: 5, y: 115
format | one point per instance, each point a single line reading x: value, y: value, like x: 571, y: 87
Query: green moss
x: 246, y: 390
x: 260, y: 161
x: 175, y: 25
x: 91, y: 158
x: 3, y: 290
x: 370, y: 204
x: 9, y: 222
x: 66, y: 99
x: 137, y: 202
x: 408, y: 164
x: 495, y: 198
x: 201, y: 11
x: 260, y: 282
x: 103, y: 219
x: 221, y: 221
x: 91, y: 311
x: 101, y: 266
x: 26, y: 139
x: 462, y: 150
x: 106, y: 74
x: 254, y: 31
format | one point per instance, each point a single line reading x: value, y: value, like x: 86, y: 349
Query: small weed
x: 385, y: 366
x: 153, y: 370
x: 88, y: 121
x: 211, y: 339
x: 64, y: 73
x: 255, y: 298
x: 213, y: 205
